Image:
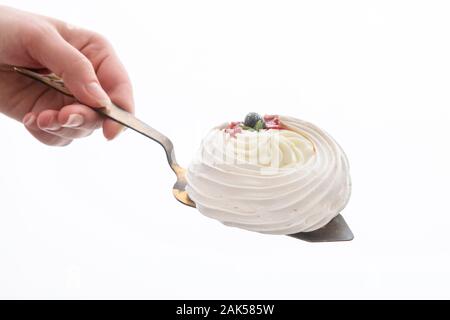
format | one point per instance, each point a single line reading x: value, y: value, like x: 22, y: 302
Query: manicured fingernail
x: 29, y: 119
x: 53, y: 126
x: 74, y: 120
x: 98, y: 93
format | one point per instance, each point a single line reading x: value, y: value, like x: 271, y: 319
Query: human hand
x: 83, y: 59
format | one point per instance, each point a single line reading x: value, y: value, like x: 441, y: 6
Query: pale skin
x: 84, y: 59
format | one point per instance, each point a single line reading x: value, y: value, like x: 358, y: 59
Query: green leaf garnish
x: 259, y: 125
x: 243, y: 126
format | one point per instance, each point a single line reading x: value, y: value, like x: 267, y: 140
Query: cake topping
x: 272, y: 122
x: 252, y: 119
x: 234, y: 128
x: 254, y: 122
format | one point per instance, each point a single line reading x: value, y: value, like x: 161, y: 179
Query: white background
x: 97, y: 219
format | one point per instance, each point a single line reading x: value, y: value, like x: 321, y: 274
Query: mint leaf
x: 259, y: 125
x: 247, y: 128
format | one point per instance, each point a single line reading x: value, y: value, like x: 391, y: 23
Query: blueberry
x: 252, y: 119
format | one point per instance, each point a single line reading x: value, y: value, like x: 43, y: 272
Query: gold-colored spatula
x: 336, y: 230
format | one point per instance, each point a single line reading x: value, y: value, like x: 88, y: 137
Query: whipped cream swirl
x: 270, y: 181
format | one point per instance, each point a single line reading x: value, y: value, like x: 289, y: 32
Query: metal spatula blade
x: 336, y: 230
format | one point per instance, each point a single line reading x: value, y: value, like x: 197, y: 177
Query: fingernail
x: 52, y: 126
x: 29, y: 119
x: 98, y: 93
x: 74, y: 120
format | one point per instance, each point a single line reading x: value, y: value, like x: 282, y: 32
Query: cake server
x: 336, y: 230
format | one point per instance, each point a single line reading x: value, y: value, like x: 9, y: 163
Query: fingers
x: 89, y: 67
x: 78, y: 116
x: 47, y: 138
x: 123, y: 97
x: 110, y: 72
x: 56, y: 54
x: 61, y: 127
x: 115, y: 80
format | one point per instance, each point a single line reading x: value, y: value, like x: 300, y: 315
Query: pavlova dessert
x: 271, y: 174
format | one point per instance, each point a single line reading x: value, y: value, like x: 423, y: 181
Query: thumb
x: 57, y: 55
